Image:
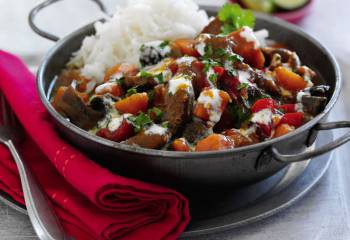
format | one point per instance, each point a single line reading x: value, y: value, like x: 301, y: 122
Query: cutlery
x: 39, y: 208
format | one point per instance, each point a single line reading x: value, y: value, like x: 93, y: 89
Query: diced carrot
x: 201, y: 112
x: 133, y: 104
x: 283, y: 129
x: 289, y: 80
x: 247, y: 49
x: 276, y: 120
x: 186, y: 47
x: 214, y: 142
x: 225, y: 99
x: 180, y: 145
x: 112, y: 88
x: 125, y: 69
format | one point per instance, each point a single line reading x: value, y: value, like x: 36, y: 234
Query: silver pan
x: 221, y: 168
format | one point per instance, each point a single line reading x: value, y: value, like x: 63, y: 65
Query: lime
x: 290, y: 4
x: 266, y: 6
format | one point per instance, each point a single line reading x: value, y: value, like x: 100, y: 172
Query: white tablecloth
x: 321, y: 215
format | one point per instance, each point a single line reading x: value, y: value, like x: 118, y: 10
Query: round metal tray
x: 223, y: 209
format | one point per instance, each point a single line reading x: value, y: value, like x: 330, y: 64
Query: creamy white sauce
x: 263, y: 117
x: 211, y: 101
x: 200, y: 47
x: 105, y: 87
x: 187, y: 60
x: 90, y: 86
x: 115, y: 123
x: 155, y: 129
x: 299, y: 107
x: 262, y: 36
x: 118, y: 75
x: 248, y: 34
x: 301, y: 94
x: 244, y: 76
x: 180, y: 82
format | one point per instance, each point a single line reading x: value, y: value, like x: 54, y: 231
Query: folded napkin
x: 90, y: 201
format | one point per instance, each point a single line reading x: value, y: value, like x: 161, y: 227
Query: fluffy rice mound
x: 139, y: 21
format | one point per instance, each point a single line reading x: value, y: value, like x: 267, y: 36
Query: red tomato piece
x: 125, y: 131
x: 262, y: 104
x: 294, y: 119
x: 266, y: 130
x: 219, y: 71
x: 288, y: 108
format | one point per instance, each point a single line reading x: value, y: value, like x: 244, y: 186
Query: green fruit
x: 290, y: 4
x: 266, y: 6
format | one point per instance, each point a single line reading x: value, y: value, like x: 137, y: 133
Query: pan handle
x: 319, y: 151
x: 45, y: 4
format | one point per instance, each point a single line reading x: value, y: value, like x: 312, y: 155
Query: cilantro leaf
x: 213, y: 78
x: 131, y: 91
x: 145, y: 74
x: 140, y: 121
x: 164, y: 44
x: 234, y: 18
x: 156, y: 111
x: 242, y: 85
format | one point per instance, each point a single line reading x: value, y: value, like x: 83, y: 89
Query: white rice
x: 139, y: 21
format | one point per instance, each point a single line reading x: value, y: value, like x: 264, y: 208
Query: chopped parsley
x: 131, y: 91
x: 242, y: 86
x: 234, y: 18
x: 140, y: 121
x: 159, y: 77
x: 165, y: 124
x: 120, y: 81
x: 213, y: 78
x: 156, y: 111
x: 164, y: 44
x: 145, y: 74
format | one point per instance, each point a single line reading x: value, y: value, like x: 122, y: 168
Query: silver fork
x: 40, y: 211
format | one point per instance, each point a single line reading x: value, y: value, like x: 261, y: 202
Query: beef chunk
x: 195, y: 131
x: 69, y: 104
x: 151, y: 141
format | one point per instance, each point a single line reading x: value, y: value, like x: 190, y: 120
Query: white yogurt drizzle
x: 248, y: 34
x: 211, y: 101
x: 155, y: 129
x: 180, y: 82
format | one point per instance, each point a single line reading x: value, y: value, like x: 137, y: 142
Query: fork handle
x: 39, y: 208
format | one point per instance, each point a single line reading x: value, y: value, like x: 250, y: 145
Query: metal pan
x: 221, y: 168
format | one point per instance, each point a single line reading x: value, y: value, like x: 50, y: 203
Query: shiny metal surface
x: 40, y: 211
x: 184, y: 170
x: 33, y: 13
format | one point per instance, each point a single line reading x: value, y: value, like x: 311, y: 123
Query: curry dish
x: 221, y: 90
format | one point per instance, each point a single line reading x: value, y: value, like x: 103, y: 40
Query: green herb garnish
x: 164, y: 44
x: 213, y: 78
x: 131, y: 91
x: 238, y: 114
x: 156, y: 111
x: 159, y: 77
x: 234, y: 18
x: 145, y: 74
x: 242, y: 86
x: 165, y: 124
x: 140, y: 121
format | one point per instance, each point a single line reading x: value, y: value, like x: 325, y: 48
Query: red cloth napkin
x: 91, y: 202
